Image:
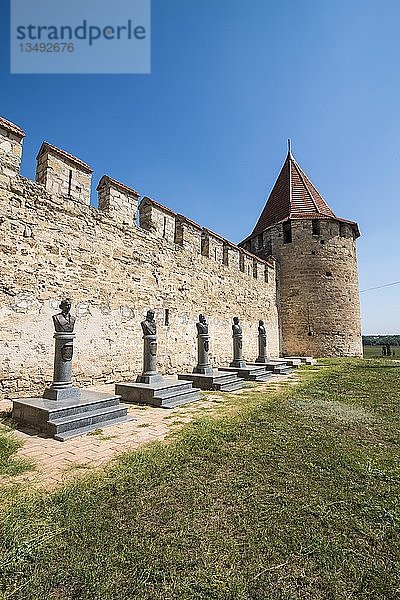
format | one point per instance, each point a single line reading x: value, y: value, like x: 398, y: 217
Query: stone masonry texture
x: 318, y: 291
x: 55, y: 245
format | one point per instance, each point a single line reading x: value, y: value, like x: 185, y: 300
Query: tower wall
x: 318, y: 289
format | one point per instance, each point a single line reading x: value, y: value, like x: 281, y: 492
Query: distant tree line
x: 381, y: 340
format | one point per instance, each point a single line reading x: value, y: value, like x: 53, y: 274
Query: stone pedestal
x: 305, y: 360
x: 149, y: 374
x: 250, y: 372
x: 219, y: 381
x: 150, y: 387
x: 165, y: 393
x: 64, y: 411
x: 262, y: 349
x: 276, y: 367
x: 61, y: 387
x: 238, y: 351
x: 203, y: 361
x: 69, y: 418
x: 204, y: 376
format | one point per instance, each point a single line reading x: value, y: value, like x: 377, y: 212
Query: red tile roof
x: 293, y: 197
x: 121, y: 186
x: 46, y: 147
x: 8, y: 126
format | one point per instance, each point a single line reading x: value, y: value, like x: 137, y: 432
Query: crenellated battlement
x: 119, y: 200
x: 69, y: 178
x: 63, y: 174
x: 11, y: 138
x: 166, y: 224
x: 115, y: 262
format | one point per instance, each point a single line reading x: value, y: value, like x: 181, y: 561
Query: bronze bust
x: 64, y: 321
x: 149, y: 326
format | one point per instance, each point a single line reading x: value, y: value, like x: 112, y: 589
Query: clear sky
x: 205, y: 133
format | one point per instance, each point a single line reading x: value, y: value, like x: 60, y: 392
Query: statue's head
x: 236, y: 320
x: 261, y: 322
x: 65, y: 305
x: 150, y: 315
x: 202, y: 319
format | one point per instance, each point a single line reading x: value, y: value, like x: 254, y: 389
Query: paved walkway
x: 57, y: 462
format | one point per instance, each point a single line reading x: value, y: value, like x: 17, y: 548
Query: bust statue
x: 63, y: 321
x: 261, y: 328
x: 149, y: 325
x: 202, y: 327
x: 236, y: 328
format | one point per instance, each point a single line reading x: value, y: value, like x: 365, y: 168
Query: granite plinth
x: 239, y: 364
x: 292, y: 362
x: 216, y: 380
x: 149, y: 379
x: 208, y: 370
x: 250, y: 373
x: 278, y: 367
x: 67, y: 393
x: 305, y: 360
x: 166, y: 393
x: 65, y: 419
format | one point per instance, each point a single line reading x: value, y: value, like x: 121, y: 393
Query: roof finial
x: 289, y: 144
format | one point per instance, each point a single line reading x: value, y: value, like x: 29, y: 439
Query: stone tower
x: 315, y: 250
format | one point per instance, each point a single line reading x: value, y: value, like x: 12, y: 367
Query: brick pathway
x: 59, y: 461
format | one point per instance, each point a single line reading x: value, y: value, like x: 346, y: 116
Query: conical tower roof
x: 294, y: 197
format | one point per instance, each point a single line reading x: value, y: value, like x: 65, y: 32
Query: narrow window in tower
x: 287, y: 233
x: 316, y: 227
x: 342, y: 230
x: 259, y: 242
x: 266, y: 275
x: 225, y: 256
x: 241, y: 262
x: 164, y: 226
x: 166, y: 317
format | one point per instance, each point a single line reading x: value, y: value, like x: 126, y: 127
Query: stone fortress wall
x: 55, y: 244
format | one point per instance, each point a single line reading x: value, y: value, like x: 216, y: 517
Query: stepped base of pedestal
x: 65, y: 419
x: 305, y: 360
x: 167, y: 393
x: 216, y: 380
x: 294, y: 363
x: 277, y: 367
x: 250, y: 373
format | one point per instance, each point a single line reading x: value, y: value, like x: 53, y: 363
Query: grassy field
x: 10, y: 465
x: 376, y: 352
x: 290, y: 494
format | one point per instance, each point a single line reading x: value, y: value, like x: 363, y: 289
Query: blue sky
x: 205, y: 133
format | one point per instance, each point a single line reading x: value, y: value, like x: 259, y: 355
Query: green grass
x: 376, y: 352
x: 11, y: 465
x: 287, y: 495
